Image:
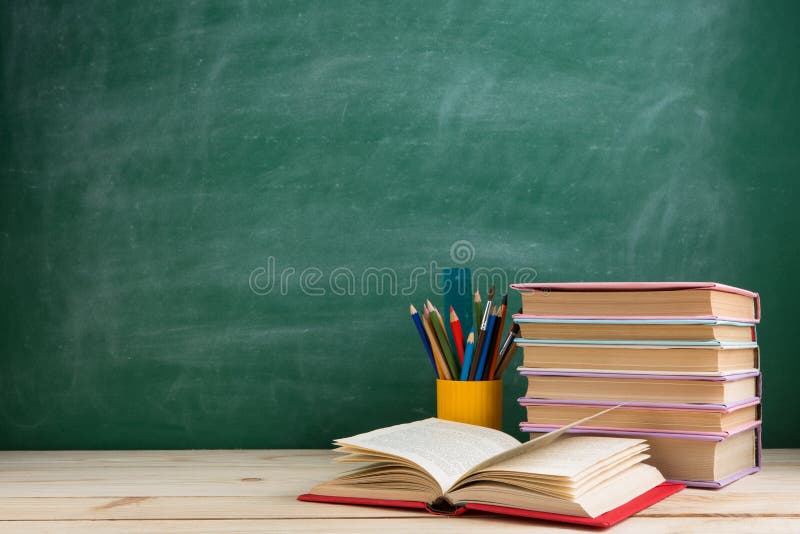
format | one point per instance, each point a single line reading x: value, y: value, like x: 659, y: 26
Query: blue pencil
x: 485, y: 347
x: 468, y: 352
x: 423, y: 335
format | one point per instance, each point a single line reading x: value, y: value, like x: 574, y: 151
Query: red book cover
x: 612, y: 517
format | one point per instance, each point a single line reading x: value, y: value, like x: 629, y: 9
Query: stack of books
x: 681, y: 358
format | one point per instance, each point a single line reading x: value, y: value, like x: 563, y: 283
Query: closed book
x: 607, y: 330
x: 697, y: 459
x: 626, y: 299
x: 655, y: 388
x: 708, y: 418
x: 699, y: 359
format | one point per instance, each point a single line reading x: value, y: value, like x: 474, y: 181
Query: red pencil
x: 458, y: 335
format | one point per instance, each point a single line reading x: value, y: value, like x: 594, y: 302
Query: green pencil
x: 444, y: 342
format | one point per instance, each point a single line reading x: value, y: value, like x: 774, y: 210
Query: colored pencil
x: 432, y: 308
x: 436, y: 313
x: 490, y: 342
x: 476, y: 303
x: 484, y: 354
x: 487, y: 371
x: 495, y: 352
x: 481, y: 335
x: 423, y: 336
x: 445, y: 368
x: 458, y: 335
x: 437, y: 321
x: 468, y: 354
x: 441, y: 364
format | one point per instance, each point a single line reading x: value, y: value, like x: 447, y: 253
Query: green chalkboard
x: 213, y: 215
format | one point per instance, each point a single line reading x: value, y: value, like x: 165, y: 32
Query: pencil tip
x: 412, y: 309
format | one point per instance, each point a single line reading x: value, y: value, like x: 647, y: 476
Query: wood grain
x: 634, y: 525
x: 254, y: 491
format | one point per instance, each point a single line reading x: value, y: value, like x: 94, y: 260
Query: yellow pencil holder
x: 476, y: 402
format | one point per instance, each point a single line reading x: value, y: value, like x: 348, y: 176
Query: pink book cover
x: 644, y: 286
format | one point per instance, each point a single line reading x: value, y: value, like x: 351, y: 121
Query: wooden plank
x: 773, y: 491
x: 220, y: 507
x: 157, y: 486
x: 444, y: 525
x: 241, y: 457
x: 162, y: 473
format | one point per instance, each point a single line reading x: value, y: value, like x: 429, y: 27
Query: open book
x: 453, y: 466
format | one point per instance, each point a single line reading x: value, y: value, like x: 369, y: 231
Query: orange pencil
x: 458, y: 335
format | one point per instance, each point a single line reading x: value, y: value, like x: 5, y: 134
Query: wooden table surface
x: 255, y: 490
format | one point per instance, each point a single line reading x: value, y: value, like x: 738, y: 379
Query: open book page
x: 599, y: 499
x: 446, y: 450
x: 571, y: 457
x: 541, y: 441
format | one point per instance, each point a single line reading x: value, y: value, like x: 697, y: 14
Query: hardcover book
x: 709, y: 418
x: 630, y: 299
x: 643, y: 331
x: 448, y: 467
x: 697, y: 459
x: 621, y: 387
x: 696, y: 359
